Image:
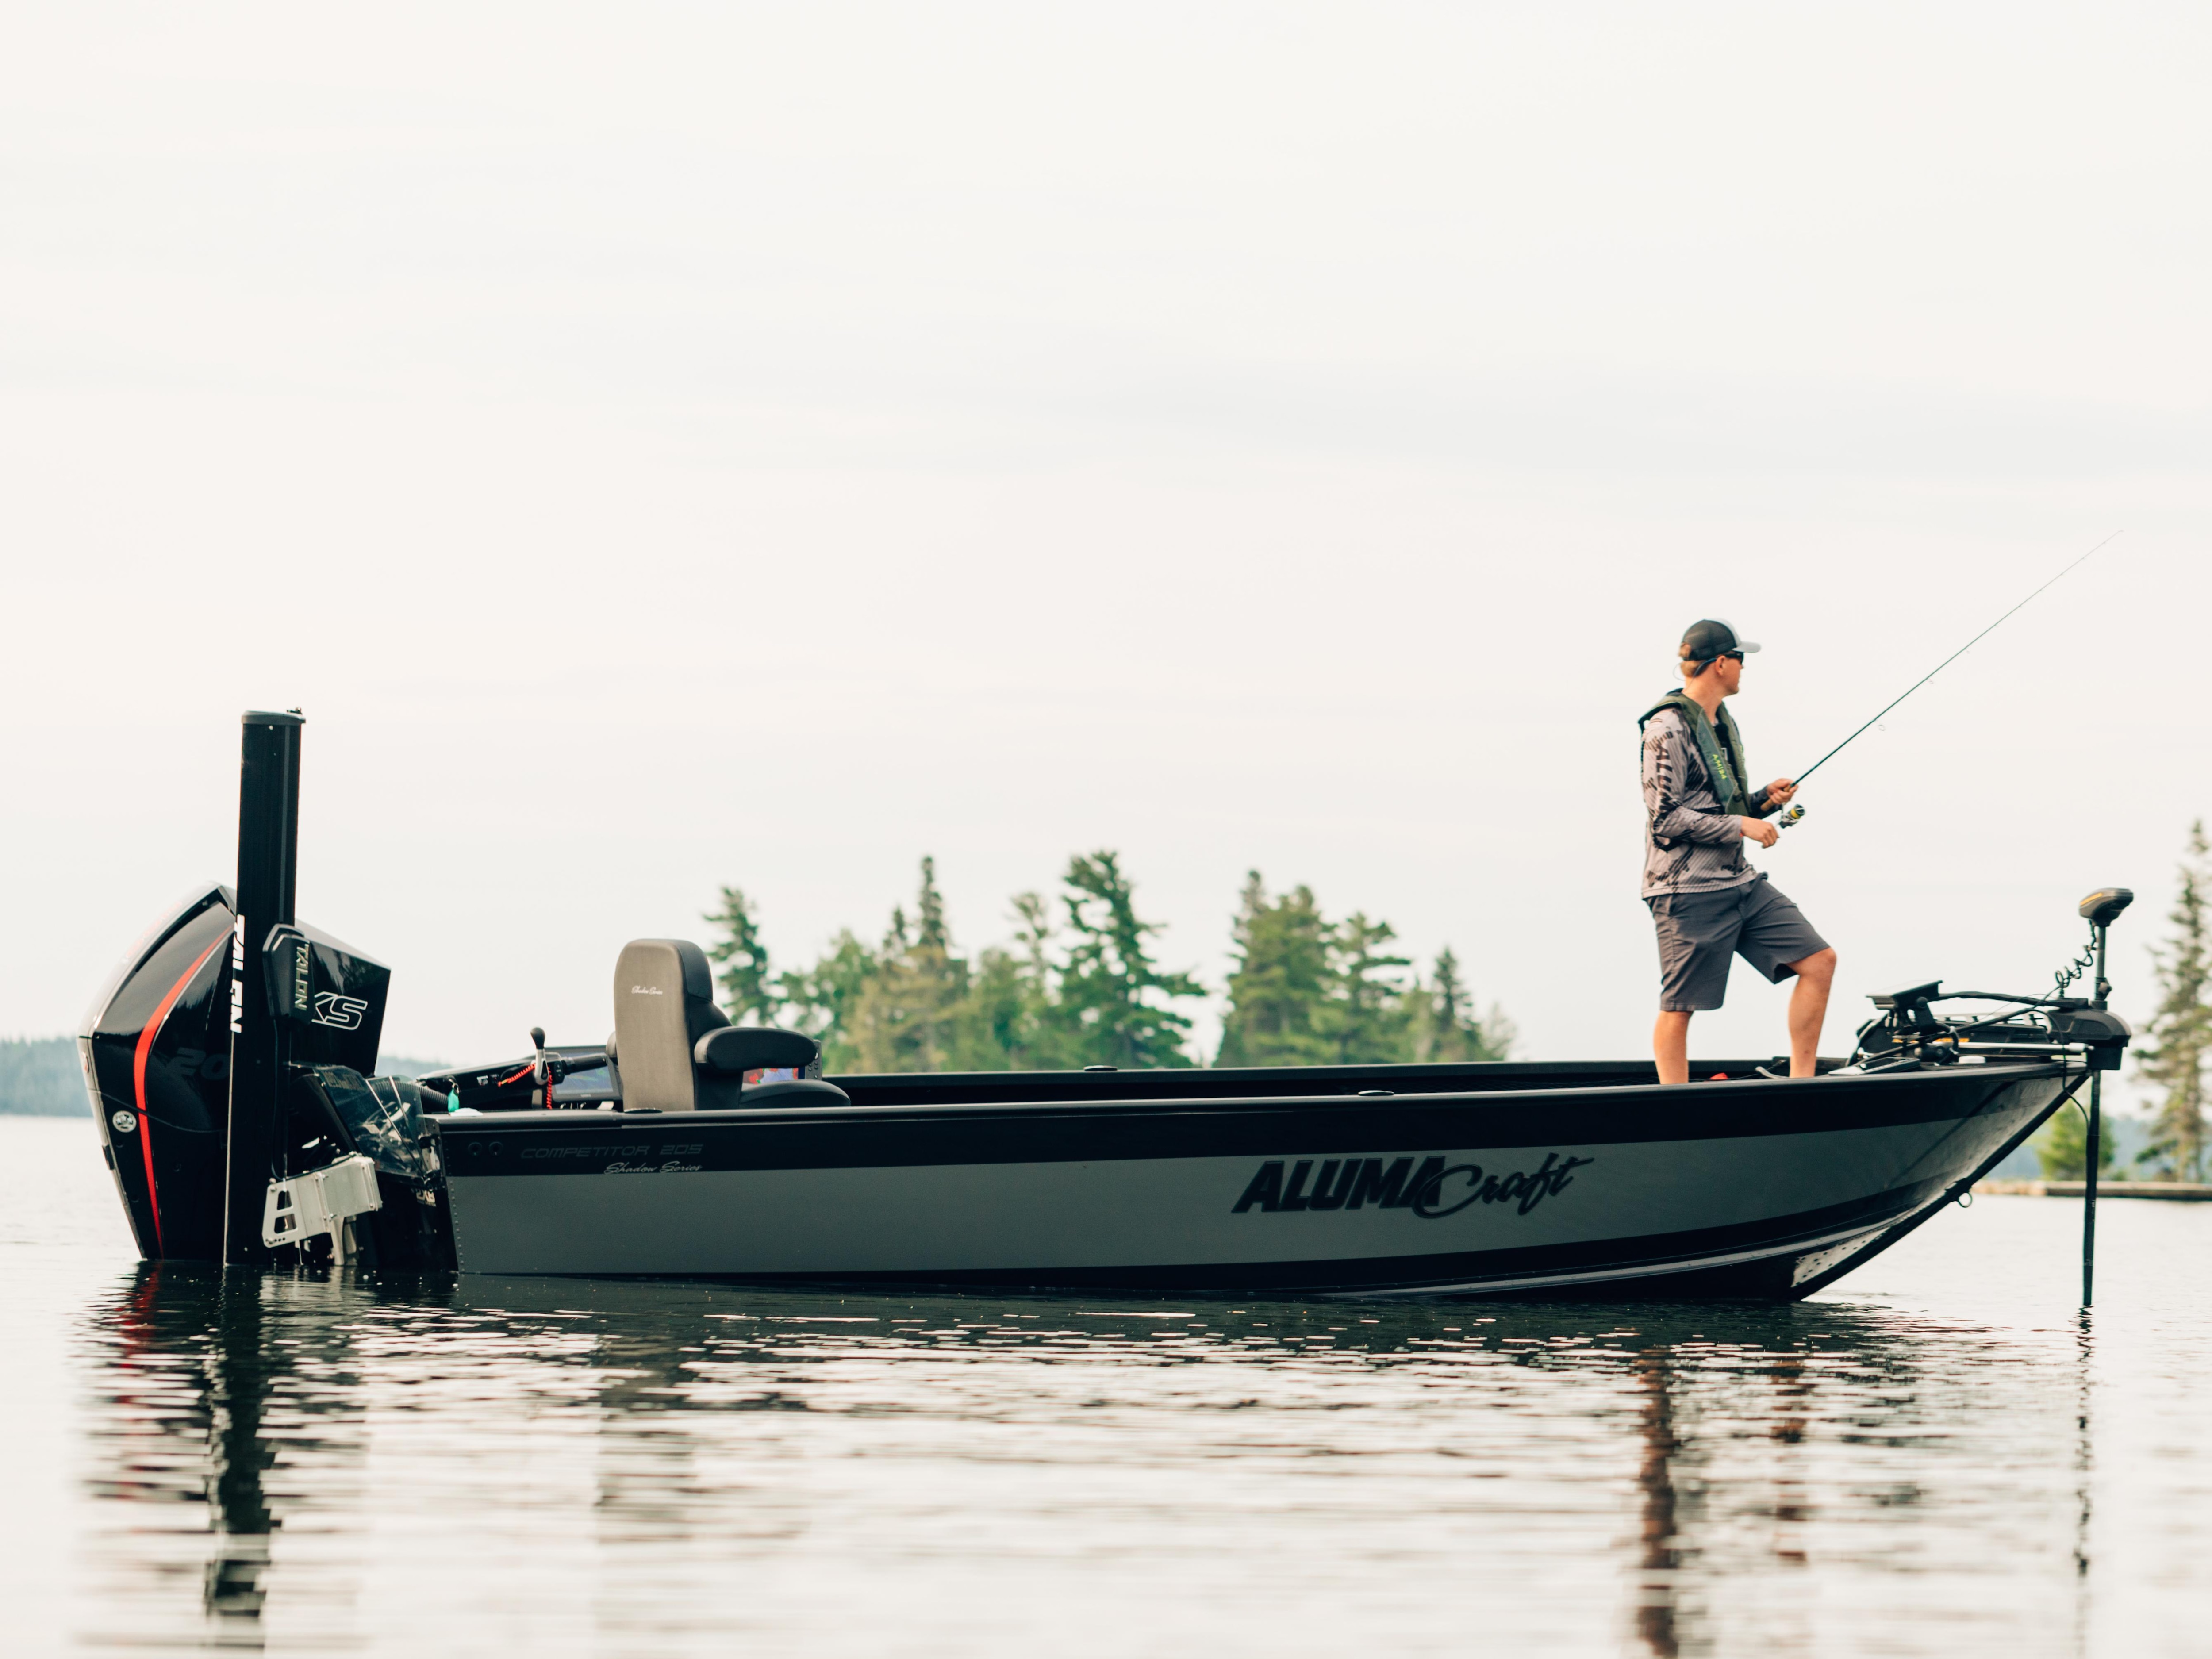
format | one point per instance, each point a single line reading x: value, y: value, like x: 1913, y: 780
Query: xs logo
x: 340, y: 1012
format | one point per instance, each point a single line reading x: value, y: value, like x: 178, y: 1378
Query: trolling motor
x: 1909, y: 1034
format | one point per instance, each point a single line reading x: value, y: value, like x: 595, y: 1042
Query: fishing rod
x: 1791, y: 813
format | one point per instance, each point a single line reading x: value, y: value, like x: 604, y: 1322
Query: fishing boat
x: 231, y: 1062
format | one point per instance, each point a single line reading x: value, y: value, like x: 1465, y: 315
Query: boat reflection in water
x: 215, y: 1422
x: 444, y: 1464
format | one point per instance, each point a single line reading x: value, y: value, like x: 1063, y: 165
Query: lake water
x: 1940, y: 1456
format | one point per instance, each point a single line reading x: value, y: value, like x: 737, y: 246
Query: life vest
x: 1722, y: 750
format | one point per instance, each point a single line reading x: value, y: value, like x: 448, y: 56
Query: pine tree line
x: 1308, y: 992
x: 2171, y: 1054
x: 2178, y: 1040
x: 1078, y: 985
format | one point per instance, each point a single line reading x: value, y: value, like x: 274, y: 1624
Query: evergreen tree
x: 930, y: 933
x: 1113, y: 997
x: 903, y: 1019
x: 1011, y: 1020
x: 1373, y: 1015
x: 1279, y: 992
x: 821, y: 1001
x: 747, y: 994
x: 2062, y: 1148
x: 2180, y: 1037
x: 1445, y: 1028
x: 993, y: 1027
x: 1304, y: 991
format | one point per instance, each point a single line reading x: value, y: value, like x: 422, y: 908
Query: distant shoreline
x: 39, y: 1077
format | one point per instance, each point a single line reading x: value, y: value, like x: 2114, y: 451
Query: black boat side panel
x: 523, y: 1144
x: 1231, y: 1082
x: 1760, y: 1187
x: 1626, y: 1268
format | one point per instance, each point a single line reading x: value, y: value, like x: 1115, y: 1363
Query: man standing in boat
x: 1707, y: 902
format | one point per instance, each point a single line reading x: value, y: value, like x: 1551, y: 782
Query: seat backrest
x: 663, y: 1004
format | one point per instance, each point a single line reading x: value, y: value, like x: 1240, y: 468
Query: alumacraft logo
x: 1432, y: 1192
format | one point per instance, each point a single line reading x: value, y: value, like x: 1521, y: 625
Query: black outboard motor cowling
x: 155, y: 1049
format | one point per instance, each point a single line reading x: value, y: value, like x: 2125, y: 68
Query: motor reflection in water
x: 290, y: 1459
x: 222, y: 1411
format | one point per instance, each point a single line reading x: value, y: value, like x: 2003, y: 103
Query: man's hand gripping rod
x: 1794, y: 811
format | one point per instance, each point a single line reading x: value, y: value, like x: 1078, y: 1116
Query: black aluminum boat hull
x: 1746, y: 1188
x: 224, y: 1060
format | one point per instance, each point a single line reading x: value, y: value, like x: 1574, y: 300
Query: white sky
x: 660, y: 446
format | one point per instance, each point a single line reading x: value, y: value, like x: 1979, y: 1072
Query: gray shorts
x: 1699, y: 931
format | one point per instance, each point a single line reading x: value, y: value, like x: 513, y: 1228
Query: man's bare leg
x: 1670, y: 1045
x: 1809, y: 1009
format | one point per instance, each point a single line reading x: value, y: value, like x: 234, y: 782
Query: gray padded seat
x: 663, y: 1004
x: 674, y: 1051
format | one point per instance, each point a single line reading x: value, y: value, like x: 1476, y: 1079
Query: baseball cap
x: 1703, y: 640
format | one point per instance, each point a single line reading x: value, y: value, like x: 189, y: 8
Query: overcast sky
x: 664, y: 445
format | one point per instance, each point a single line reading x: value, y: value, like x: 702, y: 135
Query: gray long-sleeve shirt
x: 1690, y: 845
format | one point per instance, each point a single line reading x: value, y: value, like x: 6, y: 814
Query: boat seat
x: 674, y: 1051
x: 735, y: 1051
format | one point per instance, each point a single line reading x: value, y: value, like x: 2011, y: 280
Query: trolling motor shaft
x: 2101, y: 910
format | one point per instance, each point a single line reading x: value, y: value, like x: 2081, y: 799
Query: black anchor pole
x: 2100, y: 909
x: 2096, y: 1142
x: 268, y: 861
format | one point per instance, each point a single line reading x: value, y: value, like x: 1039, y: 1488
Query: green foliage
x: 1113, y: 999
x: 904, y: 1017
x: 1374, y: 1010
x: 1080, y: 985
x: 1444, y: 1028
x: 916, y: 1004
x: 747, y: 993
x: 820, y: 1000
x: 1306, y: 992
x: 2062, y: 1148
x: 2173, y: 1052
x: 1279, y: 992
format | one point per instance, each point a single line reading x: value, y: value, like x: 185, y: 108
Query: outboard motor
x: 228, y: 1062
x: 155, y: 1049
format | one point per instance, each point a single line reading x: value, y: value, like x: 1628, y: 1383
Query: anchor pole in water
x: 268, y: 858
x: 2096, y: 1149
x: 2100, y: 909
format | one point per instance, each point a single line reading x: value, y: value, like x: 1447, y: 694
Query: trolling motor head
x: 2102, y: 908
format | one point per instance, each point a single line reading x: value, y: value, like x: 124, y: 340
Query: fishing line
x: 1945, y: 663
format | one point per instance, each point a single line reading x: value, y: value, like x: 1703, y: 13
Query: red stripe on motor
x: 138, y: 1078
